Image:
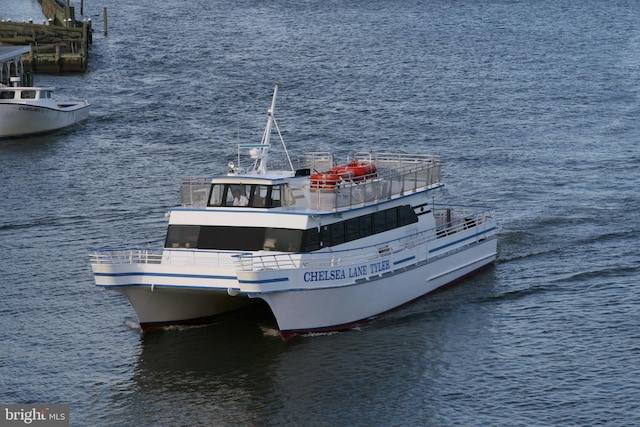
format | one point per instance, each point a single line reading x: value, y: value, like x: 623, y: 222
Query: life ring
x: 356, y: 171
x: 325, y: 181
x: 361, y: 170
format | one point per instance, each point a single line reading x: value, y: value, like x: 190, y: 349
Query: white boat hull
x: 168, y: 294
x: 157, y: 307
x: 339, y: 308
x: 19, y: 120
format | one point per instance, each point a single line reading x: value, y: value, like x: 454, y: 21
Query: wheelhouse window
x: 217, y: 195
x: 260, y: 196
x: 276, y: 196
x: 250, y: 195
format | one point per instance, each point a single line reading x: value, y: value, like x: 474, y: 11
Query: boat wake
x: 521, y: 293
x: 327, y: 333
x: 270, y: 331
x: 133, y: 324
x: 631, y: 271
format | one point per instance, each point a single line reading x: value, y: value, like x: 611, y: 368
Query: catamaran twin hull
x: 322, y: 292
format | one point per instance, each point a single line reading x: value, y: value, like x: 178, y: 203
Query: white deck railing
x: 479, y: 222
x: 396, y: 175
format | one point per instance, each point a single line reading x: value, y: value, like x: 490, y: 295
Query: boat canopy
x: 11, y: 64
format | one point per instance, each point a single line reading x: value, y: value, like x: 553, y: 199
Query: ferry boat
x: 325, y: 246
x: 27, y: 110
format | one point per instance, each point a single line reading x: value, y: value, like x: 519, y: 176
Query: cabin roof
x: 13, y: 52
x: 25, y: 88
x: 268, y: 179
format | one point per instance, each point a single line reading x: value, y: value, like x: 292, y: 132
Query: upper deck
x: 394, y: 175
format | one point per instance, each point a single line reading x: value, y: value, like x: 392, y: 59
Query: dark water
x: 534, y: 107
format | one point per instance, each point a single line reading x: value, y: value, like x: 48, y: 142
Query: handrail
x: 318, y: 260
x: 459, y: 219
x: 397, y: 174
x: 194, y: 191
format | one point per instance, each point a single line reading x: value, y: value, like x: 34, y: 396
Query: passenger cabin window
x: 249, y: 195
x: 7, y: 94
x: 234, y: 238
x: 182, y: 236
x: 28, y: 94
x: 282, y: 239
x: 287, y: 240
x: 379, y: 222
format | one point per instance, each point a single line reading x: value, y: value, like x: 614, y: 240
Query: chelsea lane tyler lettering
x: 351, y: 272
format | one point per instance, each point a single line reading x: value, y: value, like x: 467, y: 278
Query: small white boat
x: 26, y: 111
x: 325, y: 247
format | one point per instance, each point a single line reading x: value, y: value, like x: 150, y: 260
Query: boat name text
x: 342, y: 273
x: 34, y: 109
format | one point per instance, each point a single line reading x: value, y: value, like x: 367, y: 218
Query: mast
x: 266, y: 136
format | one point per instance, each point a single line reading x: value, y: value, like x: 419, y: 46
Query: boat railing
x: 160, y: 255
x: 408, y: 172
x: 448, y: 221
x: 194, y: 191
x: 478, y: 224
x: 396, y: 175
x: 148, y: 253
x: 315, y: 161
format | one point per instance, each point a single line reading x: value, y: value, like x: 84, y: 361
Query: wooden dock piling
x: 104, y: 14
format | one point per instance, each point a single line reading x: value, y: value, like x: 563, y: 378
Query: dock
x: 59, y: 45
